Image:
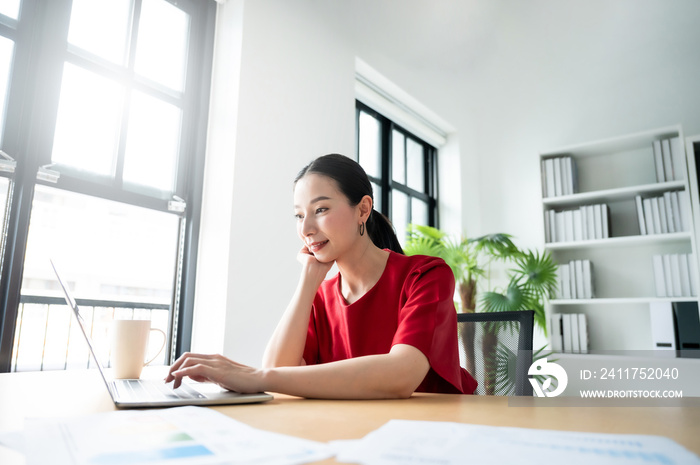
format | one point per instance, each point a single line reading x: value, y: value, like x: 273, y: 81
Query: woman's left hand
x: 216, y: 369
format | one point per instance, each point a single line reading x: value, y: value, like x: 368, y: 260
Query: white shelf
x: 608, y: 195
x: 626, y: 241
x: 613, y: 172
x: 621, y: 300
x: 615, y: 144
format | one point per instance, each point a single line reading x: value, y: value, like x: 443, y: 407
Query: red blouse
x: 412, y: 303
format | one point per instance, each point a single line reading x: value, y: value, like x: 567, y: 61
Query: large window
x: 402, y: 168
x: 103, y: 108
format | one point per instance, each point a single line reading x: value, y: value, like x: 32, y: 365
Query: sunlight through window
x: 161, y: 51
x: 87, y: 127
x: 7, y: 48
x: 10, y: 8
x: 152, y: 143
x: 101, y: 28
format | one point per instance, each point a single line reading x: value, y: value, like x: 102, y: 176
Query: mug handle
x: 161, y: 346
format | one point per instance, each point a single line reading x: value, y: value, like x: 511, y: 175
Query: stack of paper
x: 182, y: 435
x: 401, y: 442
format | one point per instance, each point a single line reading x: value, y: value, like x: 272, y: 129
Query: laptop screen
x: 73, y: 304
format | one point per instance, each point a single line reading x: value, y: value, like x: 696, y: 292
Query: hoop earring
x: 362, y: 229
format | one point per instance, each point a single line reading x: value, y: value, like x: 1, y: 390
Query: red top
x: 412, y: 303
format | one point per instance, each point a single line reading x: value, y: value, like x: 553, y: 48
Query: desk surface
x: 61, y: 394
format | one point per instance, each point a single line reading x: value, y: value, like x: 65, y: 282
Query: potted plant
x: 532, y: 277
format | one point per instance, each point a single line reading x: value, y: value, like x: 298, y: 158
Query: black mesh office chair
x: 496, y: 348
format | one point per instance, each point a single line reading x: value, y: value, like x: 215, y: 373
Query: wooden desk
x: 61, y: 394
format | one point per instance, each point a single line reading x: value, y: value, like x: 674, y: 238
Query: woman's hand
x: 313, y: 269
x: 216, y: 369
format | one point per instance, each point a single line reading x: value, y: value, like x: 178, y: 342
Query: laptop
x: 133, y: 393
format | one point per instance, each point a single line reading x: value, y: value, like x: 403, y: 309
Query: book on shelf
x: 548, y: 183
x: 575, y: 343
x: 566, y: 333
x: 663, y: 332
x: 575, y: 280
x: 590, y: 220
x: 563, y: 282
x: 569, y: 333
x: 557, y: 333
x: 658, y: 161
x: 678, y: 159
x: 676, y: 209
x: 560, y: 176
x: 667, y: 213
x: 656, y: 215
x: 668, y: 209
x: 662, y: 215
x: 668, y: 274
x: 669, y: 160
x: 687, y: 328
x: 558, y: 185
x: 684, y: 210
x: 605, y: 213
x: 675, y: 275
x: 659, y: 279
x: 668, y: 164
x: 583, y: 333
x: 587, y: 222
x: 684, y: 271
x: 675, y: 326
x: 568, y: 225
x: 640, y: 215
x: 693, y: 274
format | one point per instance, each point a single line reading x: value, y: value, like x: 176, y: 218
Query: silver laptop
x: 132, y: 393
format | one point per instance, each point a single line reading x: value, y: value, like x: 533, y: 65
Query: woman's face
x: 326, y: 222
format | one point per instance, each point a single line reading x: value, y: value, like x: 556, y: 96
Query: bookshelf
x: 610, y: 175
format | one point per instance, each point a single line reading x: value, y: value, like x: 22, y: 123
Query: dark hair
x: 354, y: 184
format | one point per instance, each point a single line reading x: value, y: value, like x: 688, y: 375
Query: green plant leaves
x: 497, y: 245
x: 533, y: 277
x: 536, y: 271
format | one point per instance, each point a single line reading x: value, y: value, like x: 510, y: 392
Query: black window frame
x: 41, y: 47
x: 386, y: 182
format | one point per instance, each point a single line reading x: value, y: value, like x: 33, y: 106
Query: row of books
x: 587, y: 222
x: 663, y: 214
x: 570, y: 333
x: 675, y: 326
x: 669, y: 160
x: 575, y: 280
x: 559, y: 176
x: 675, y: 275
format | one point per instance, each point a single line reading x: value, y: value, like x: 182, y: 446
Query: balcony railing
x: 47, y: 336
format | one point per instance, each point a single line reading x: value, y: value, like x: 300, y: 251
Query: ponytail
x: 354, y: 184
x: 382, y: 232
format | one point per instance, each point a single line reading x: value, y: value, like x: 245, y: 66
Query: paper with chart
x: 403, y: 442
x: 182, y: 435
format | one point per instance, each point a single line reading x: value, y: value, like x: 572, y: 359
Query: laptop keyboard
x: 153, y: 390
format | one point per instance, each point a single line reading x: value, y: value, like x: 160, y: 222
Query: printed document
x: 403, y: 442
x: 182, y: 435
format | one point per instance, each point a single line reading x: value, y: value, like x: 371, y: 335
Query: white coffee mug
x: 128, y: 343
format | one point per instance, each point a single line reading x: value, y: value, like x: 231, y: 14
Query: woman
x: 384, y: 327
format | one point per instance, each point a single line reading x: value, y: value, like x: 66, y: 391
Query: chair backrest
x: 496, y: 349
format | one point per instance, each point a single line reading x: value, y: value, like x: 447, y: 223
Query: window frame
x: 386, y: 181
x: 41, y: 47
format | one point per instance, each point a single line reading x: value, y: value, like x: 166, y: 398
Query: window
x: 401, y: 167
x: 103, y: 109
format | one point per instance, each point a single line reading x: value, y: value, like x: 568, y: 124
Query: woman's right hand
x: 313, y: 269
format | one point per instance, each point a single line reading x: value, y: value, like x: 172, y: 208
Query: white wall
x: 542, y: 74
x: 585, y: 70
x: 294, y: 101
